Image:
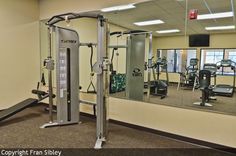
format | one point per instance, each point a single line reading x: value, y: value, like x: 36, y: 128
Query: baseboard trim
x: 177, y: 137
x: 166, y: 134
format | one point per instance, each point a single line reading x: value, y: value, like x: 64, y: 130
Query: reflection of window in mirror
x: 170, y: 56
x: 177, y: 59
x: 229, y: 54
x: 212, y: 56
x: 191, y: 53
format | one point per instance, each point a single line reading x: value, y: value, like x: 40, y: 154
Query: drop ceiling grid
x: 172, y: 13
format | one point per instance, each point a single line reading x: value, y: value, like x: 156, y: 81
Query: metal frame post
x: 150, y: 52
x: 50, y: 67
x: 102, y: 82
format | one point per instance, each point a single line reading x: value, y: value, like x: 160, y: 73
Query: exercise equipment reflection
x: 224, y: 89
x: 205, y: 87
x: 189, y: 78
x: 135, y: 61
x: 159, y: 87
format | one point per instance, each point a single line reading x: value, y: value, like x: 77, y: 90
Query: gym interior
x: 118, y: 77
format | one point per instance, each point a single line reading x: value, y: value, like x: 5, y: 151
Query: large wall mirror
x: 172, y: 60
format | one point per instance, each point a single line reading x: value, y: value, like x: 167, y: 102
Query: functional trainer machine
x: 67, y: 73
x: 223, y: 89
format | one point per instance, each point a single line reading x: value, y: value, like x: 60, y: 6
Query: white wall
x: 19, y: 49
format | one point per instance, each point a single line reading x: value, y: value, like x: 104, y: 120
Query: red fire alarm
x: 193, y: 14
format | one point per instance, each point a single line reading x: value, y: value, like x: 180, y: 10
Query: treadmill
x: 224, y: 89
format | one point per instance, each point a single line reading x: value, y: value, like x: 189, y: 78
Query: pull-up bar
x: 69, y: 16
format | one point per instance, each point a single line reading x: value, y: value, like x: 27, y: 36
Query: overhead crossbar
x: 119, y: 33
x: 69, y: 16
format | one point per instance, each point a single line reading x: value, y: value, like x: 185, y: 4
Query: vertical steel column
x: 50, y: 68
x: 149, y: 64
x: 102, y: 82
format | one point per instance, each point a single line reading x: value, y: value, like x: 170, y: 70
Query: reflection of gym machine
x: 135, y: 62
x: 223, y: 89
x: 213, y: 69
x: 189, y: 78
x: 205, y: 87
x: 67, y: 73
x: 159, y: 87
x: 117, y: 80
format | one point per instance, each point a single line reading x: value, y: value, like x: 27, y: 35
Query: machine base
x: 53, y: 124
x: 200, y: 104
x: 50, y: 124
x: 98, y: 144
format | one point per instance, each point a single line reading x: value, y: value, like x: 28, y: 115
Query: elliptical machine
x: 159, y: 87
x: 189, y: 78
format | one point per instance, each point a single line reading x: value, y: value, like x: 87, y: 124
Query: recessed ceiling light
x: 152, y: 22
x: 118, y: 8
x: 168, y: 31
x: 221, y: 27
x: 215, y: 15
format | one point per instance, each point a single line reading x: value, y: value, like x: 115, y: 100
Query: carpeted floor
x: 186, y: 98
x: 22, y: 131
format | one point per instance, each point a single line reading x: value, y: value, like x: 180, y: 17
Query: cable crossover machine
x: 67, y: 43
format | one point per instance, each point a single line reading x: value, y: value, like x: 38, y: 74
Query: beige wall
x: 49, y: 8
x: 19, y: 48
x: 206, y: 126
x: 20, y: 71
x: 211, y: 127
x: 216, y: 41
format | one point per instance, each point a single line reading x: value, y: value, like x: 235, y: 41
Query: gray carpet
x: 22, y: 131
x: 186, y: 98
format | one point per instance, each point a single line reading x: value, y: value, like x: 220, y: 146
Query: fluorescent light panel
x: 118, y: 8
x: 168, y: 31
x: 215, y: 15
x: 152, y: 22
x: 221, y: 27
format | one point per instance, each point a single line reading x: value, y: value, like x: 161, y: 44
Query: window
x: 192, y: 53
x: 177, y: 59
x: 230, y: 54
x: 216, y: 55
